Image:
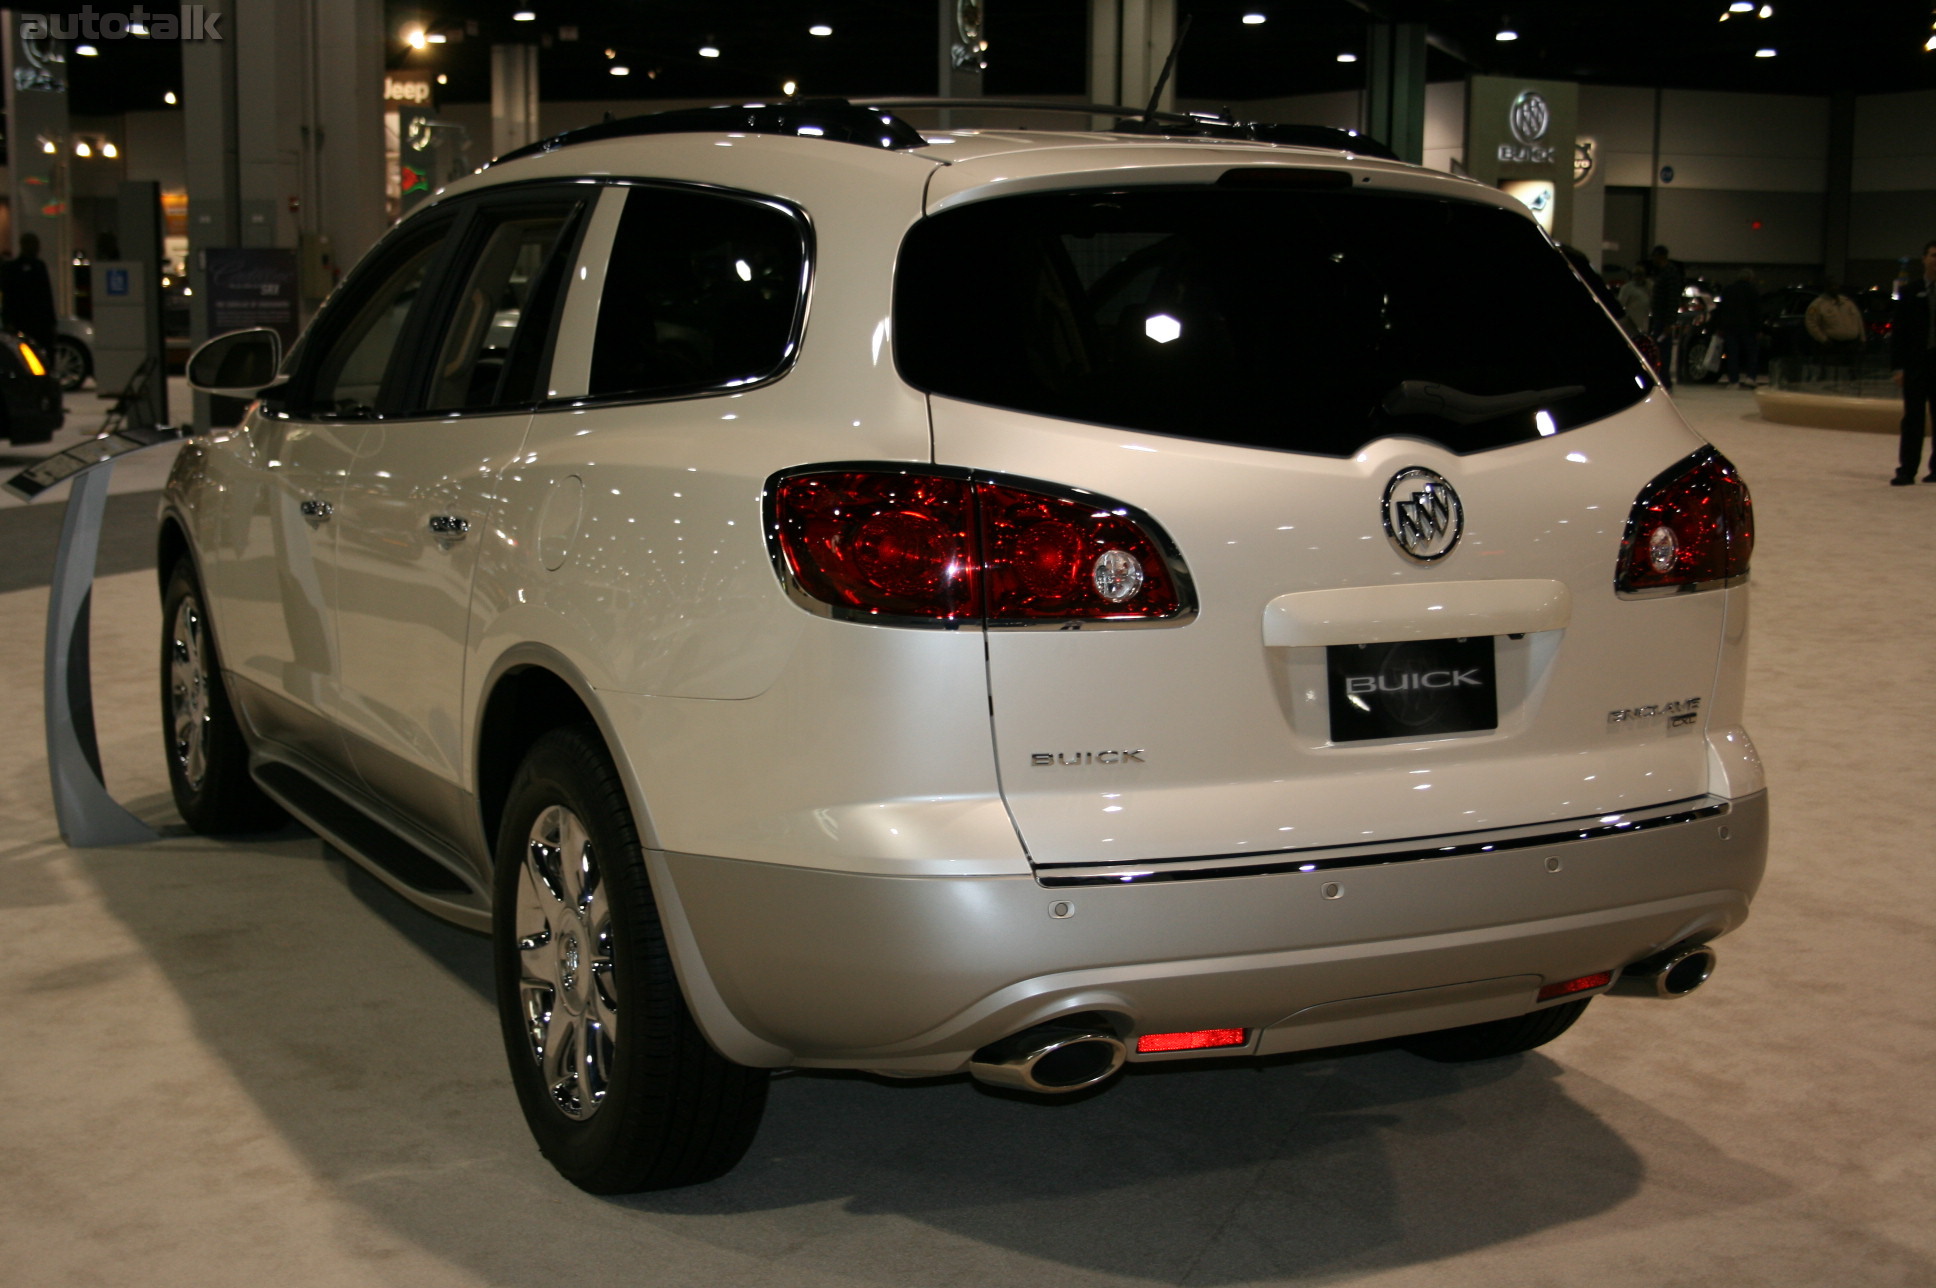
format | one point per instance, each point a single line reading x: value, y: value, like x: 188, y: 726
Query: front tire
x: 71, y: 364
x: 208, y: 761
x: 1496, y: 1038
x: 618, y: 1085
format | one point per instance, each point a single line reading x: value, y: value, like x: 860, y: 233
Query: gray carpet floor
x: 241, y: 1062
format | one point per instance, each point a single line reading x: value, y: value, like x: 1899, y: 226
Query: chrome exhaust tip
x: 1049, y: 1059
x: 1674, y: 973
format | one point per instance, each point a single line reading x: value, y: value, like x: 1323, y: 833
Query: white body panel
x: 1235, y: 728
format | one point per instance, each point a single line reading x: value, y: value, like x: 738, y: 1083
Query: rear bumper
x: 912, y: 974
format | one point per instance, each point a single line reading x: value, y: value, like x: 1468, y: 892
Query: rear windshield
x: 1296, y: 320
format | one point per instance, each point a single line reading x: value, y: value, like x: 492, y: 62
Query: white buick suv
x: 822, y: 594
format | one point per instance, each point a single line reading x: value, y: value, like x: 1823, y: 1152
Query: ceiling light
x: 524, y: 15
x: 1764, y: 53
x: 81, y: 149
x: 1741, y: 6
x: 137, y: 29
x: 414, y: 38
x: 790, y: 88
x: 611, y: 53
x: 1347, y: 58
x: 109, y: 151
x: 169, y: 98
x: 1766, y: 11
x: 47, y: 145
x: 619, y: 69
x: 1254, y: 20
x: 442, y: 79
x: 437, y: 38
x: 709, y: 51
x: 86, y: 51
x: 1505, y: 32
x: 820, y: 29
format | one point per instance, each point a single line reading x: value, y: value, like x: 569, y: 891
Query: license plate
x: 1414, y: 689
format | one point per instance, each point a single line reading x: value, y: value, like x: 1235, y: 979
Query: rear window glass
x: 1303, y: 321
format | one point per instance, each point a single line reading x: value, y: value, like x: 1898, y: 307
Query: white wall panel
x: 1717, y: 123
x: 1621, y: 117
x: 1716, y: 226
x: 1886, y: 225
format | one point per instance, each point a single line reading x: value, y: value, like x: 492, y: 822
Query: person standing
x: 1738, y: 318
x: 1636, y: 300
x: 27, y: 295
x: 1670, y: 290
x: 1912, y: 356
x: 1834, y: 323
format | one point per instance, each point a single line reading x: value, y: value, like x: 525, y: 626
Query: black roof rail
x: 828, y: 118
x: 872, y: 123
x: 1136, y: 120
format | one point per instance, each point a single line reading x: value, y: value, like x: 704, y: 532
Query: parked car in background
x: 1784, y: 330
x: 72, y: 359
x: 824, y: 594
x: 1878, y: 305
x: 30, y: 394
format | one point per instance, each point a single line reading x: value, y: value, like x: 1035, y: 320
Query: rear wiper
x: 1424, y: 398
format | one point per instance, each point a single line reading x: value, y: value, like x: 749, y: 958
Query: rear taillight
x: 1690, y: 529
x: 904, y: 545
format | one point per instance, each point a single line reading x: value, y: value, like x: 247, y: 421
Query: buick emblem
x: 1423, y: 517
x: 1529, y: 116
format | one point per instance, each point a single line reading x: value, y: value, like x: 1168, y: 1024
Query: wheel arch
x: 533, y: 689
x: 171, y: 546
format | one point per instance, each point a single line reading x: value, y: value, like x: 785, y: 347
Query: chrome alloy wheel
x: 565, y: 979
x: 188, y: 702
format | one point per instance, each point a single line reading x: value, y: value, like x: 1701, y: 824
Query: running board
x: 399, y: 863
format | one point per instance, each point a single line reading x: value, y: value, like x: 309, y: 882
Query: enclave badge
x: 1422, y: 514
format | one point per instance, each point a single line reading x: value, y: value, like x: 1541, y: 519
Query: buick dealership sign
x: 1528, y: 119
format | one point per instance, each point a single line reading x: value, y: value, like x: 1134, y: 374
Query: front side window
x: 1299, y: 320
x: 493, y: 316
x: 703, y: 291
x: 355, y: 355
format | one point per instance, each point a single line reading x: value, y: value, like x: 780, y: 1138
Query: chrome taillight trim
x: 1331, y: 858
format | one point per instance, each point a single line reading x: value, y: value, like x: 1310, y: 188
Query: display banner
x: 251, y: 286
x: 1520, y: 136
x: 37, y: 141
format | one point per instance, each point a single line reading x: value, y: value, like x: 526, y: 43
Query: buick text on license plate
x: 1413, y: 689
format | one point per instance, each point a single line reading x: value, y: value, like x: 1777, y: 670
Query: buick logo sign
x: 1529, y: 117
x: 1423, y: 516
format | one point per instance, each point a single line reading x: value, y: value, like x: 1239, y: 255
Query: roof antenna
x: 1169, y: 65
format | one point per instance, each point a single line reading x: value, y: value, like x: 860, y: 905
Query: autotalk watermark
x: 196, y: 22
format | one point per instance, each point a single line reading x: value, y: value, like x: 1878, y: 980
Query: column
x: 514, y: 97
x: 1395, y: 87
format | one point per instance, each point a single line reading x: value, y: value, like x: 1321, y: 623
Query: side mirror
x: 240, y: 364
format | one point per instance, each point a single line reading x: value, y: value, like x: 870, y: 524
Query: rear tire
x: 618, y: 1085
x: 1496, y: 1038
x: 208, y: 761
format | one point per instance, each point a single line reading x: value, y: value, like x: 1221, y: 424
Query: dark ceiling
x: 888, y: 47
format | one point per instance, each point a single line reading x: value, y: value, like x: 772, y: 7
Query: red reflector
x: 1195, y: 1040
x: 1581, y: 985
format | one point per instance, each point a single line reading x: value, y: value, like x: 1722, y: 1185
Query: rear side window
x: 1304, y: 321
x: 704, y: 291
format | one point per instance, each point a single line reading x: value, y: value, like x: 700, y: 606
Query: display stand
x: 87, y: 814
